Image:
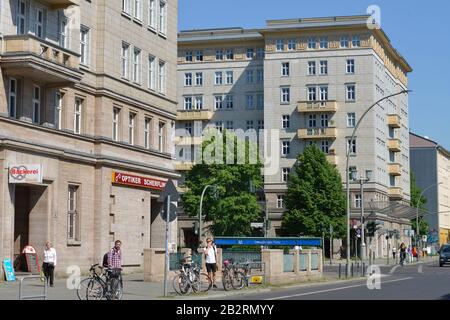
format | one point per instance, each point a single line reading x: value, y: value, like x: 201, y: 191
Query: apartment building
x: 319, y: 76
x: 430, y: 164
x: 87, y: 120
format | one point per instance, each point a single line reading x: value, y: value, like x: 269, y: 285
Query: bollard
x: 364, y: 270
x: 352, y: 270
x: 339, y: 271
x: 346, y: 271
x: 357, y: 268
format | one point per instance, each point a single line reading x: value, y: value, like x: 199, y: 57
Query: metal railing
x: 41, y: 296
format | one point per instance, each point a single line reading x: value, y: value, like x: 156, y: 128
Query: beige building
x: 430, y: 164
x: 319, y: 76
x: 88, y: 106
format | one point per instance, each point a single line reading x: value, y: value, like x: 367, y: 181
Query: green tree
x: 418, y: 201
x: 315, y: 197
x: 236, y: 175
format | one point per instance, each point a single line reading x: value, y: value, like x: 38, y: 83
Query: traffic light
x: 267, y: 224
x: 195, y: 226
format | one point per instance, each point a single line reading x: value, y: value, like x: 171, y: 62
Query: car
x: 444, y: 255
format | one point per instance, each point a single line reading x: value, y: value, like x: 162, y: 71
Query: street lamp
x: 214, y: 187
x: 417, y: 210
x: 362, y: 180
x: 347, y: 170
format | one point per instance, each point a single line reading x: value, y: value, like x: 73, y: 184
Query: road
x: 414, y: 282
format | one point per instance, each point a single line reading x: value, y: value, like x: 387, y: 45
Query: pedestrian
x: 341, y: 252
x: 211, y: 260
x: 394, y: 251
x: 49, y: 263
x: 402, y: 253
x: 115, y: 262
x: 414, y: 253
x: 409, y: 254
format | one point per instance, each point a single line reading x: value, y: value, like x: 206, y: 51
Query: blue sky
x: 418, y: 29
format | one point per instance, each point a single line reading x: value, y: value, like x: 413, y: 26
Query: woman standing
x: 49, y: 263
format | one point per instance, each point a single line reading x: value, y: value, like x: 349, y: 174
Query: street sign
x: 257, y: 225
x: 171, y: 190
x: 172, y: 212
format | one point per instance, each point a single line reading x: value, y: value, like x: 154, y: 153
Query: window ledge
x: 137, y: 21
x: 152, y: 29
x: 126, y: 15
x: 73, y: 243
x: 162, y: 35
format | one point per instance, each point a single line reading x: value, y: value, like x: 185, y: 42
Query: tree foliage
x: 418, y: 201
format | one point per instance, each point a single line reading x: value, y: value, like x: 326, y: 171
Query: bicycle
x: 190, y: 278
x: 229, y: 275
x: 108, y: 285
x: 241, y: 277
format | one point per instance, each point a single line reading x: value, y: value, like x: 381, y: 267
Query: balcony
x: 61, y: 4
x: 183, y: 166
x: 187, y: 141
x: 317, y: 133
x: 394, y: 121
x: 31, y: 57
x: 395, y: 193
x: 317, y: 106
x: 333, y: 159
x: 395, y: 169
x: 394, y: 145
x: 192, y: 115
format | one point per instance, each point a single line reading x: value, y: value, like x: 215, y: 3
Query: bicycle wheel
x: 90, y: 289
x: 226, y: 281
x: 238, y: 280
x: 116, y: 291
x: 176, y: 284
x: 181, y: 284
x: 204, y: 283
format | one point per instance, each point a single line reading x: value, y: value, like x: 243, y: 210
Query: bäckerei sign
x: 137, y: 181
x: 25, y: 173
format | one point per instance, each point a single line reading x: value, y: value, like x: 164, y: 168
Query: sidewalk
x: 380, y: 262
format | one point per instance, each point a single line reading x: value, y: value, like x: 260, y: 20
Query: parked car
x: 444, y: 255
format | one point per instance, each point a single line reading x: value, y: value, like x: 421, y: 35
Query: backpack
x: 105, y: 260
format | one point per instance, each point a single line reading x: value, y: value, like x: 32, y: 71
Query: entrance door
x: 30, y: 221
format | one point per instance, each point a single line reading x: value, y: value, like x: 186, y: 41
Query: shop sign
x: 137, y: 181
x: 25, y: 173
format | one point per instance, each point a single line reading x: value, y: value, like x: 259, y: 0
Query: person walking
x: 394, y: 251
x: 211, y: 260
x: 49, y: 263
x: 402, y: 253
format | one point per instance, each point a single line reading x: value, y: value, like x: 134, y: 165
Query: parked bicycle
x: 190, y: 278
x: 106, y: 285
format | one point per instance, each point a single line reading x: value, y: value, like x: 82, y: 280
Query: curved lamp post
x: 200, y: 211
x: 347, y: 169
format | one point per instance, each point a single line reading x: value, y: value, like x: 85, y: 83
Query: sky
x: 419, y: 30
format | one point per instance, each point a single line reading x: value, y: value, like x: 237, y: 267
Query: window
x: 280, y: 44
x: 229, y: 77
x: 63, y: 33
x: 350, y: 66
x: 188, y: 56
x: 72, y: 214
x: 249, y: 99
x: 188, y: 128
x: 230, y: 125
x: 199, y: 103
x: 39, y: 23
x: 311, y: 68
x: 312, y: 121
x: 58, y: 110
x: 250, y: 53
x: 147, y: 132
x: 188, y: 79
x: 219, y: 54
x: 218, y: 80
x: 161, y: 137
x: 323, y: 67
x: 152, y: 72
x: 351, y: 145
x: 137, y: 65
x: 124, y: 59
x: 187, y: 103
x: 12, y: 98
x: 218, y: 126
x: 312, y: 94
x: 162, y: 77
x: 138, y: 9
x: 260, y: 101
x: 260, y: 53
x: 358, y: 201
x: 324, y: 121
x: 249, y: 74
x: 312, y: 43
x: 77, y: 116
x: 115, y: 124
x: 325, y: 146
x: 199, y: 55
x: 131, y: 127
x: 356, y: 41
x: 218, y: 102
x: 199, y: 79
x: 126, y: 6
x: 285, y: 174
x: 323, y: 93
x: 285, y: 69
x: 250, y: 125
x: 260, y: 76
x: 230, y: 54
x: 280, y: 201
x: 260, y: 124
x: 323, y: 43
x: 229, y: 101
x: 344, y: 42
x: 152, y: 15
x: 351, y: 95
x: 84, y: 45
x: 21, y: 18
x: 285, y: 148
x: 351, y: 120
x: 286, y: 121
x: 285, y: 95
x: 162, y: 16
x: 291, y: 44
x: 36, y: 104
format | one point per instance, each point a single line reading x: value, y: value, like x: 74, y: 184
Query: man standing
x: 115, y: 257
x: 211, y: 260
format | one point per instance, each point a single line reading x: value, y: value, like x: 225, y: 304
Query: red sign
x: 137, y: 181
